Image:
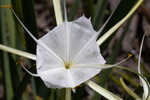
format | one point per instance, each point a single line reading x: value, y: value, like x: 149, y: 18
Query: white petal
x: 90, y: 54
x: 56, y: 40
x: 63, y: 78
x: 46, y: 60
x: 81, y: 32
x: 84, y: 23
x: 81, y: 75
x: 57, y: 78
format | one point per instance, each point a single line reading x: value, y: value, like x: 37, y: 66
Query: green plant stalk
x: 29, y: 21
x: 145, y: 85
x: 99, y: 13
x: 15, y: 77
x: 129, y: 91
x: 14, y: 73
x: 6, y: 29
x: 143, y: 68
x: 68, y: 94
x: 17, y: 6
x: 52, y: 95
x: 127, y: 77
x: 7, y: 79
x: 73, y: 10
x: 11, y: 28
x: 113, y: 78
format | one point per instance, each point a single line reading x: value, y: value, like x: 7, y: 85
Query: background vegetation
x: 38, y: 16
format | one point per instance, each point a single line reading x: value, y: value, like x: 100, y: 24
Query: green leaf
x: 18, y: 52
x: 7, y: 32
x: 14, y: 73
x: 73, y: 10
x: 30, y: 22
x: 129, y: 91
x: 107, y: 94
x: 22, y: 85
x: 58, y: 11
x: 17, y: 6
x: 100, y: 10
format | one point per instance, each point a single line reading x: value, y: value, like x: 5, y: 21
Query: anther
x: 130, y: 55
x: 6, y: 6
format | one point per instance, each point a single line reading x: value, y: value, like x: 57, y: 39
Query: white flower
x: 72, y: 55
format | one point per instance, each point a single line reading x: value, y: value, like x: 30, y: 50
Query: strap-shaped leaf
x: 145, y: 84
x: 129, y: 91
x: 17, y: 52
x: 107, y: 94
x: 115, y: 27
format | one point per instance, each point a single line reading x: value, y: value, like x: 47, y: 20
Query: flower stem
x: 68, y: 94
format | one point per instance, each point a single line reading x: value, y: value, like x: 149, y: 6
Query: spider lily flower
x: 74, y: 44
x: 62, y: 51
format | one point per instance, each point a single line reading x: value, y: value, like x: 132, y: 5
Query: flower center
x: 67, y: 65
